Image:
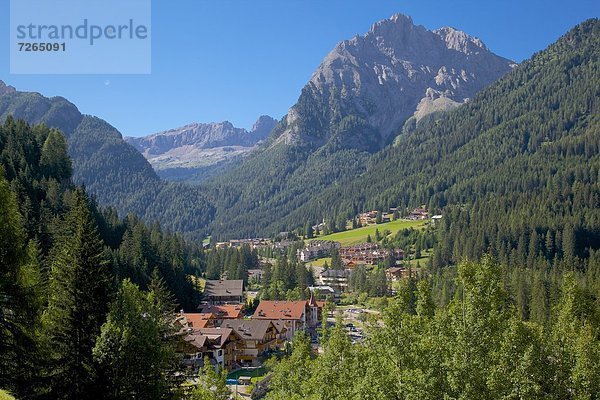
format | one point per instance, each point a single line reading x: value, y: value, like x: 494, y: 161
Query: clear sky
x: 215, y: 60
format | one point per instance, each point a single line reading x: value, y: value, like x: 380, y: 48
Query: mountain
x: 365, y: 92
x: 367, y: 87
x: 515, y: 172
x: 195, y: 151
x: 5, y: 89
x: 112, y: 170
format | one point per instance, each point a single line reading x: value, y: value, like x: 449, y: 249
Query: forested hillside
x: 113, y: 171
x: 356, y: 101
x: 515, y: 171
x: 64, y: 263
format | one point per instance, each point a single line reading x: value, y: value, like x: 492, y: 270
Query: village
x: 237, y: 330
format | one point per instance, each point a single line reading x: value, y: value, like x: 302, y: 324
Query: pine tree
x: 54, y: 160
x: 425, y: 306
x: 211, y: 384
x: 336, y: 260
x: 17, y: 305
x: 79, y: 290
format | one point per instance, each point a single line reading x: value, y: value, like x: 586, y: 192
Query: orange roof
x: 224, y: 311
x: 198, y: 320
x: 268, y: 309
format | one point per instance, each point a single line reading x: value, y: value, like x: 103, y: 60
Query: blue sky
x: 215, y: 60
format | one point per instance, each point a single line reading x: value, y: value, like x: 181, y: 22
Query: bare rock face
x: 6, y: 89
x: 203, y: 136
x: 396, y: 71
x: 183, y: 152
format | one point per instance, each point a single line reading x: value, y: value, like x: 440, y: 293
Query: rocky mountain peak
x: 263, y: 126
x: 460, y: 41
x: 395, y: 22
x: 199, y: 149
x: 396, y: 71
x: 6, y: 89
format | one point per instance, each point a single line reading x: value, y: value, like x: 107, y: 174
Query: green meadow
x: 359, y: 235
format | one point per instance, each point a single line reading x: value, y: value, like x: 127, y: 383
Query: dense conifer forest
x: 75, y: 279
x: 476, y: 347
x: 514, y: 170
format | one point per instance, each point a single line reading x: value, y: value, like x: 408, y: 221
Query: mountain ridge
x: 195, y: 151
x: 112, y: 170
x: 381, y: 77
x: 364, y: 93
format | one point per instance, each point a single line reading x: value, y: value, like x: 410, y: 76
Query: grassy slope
x: 320, y: 262
x: 5, y: 396
x: 359, y: 235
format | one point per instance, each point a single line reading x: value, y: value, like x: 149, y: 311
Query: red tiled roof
x: 224, y: 311
x: 288, y: 310
x: 198, y: 320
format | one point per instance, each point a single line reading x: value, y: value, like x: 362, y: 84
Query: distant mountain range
x: 196, y: 151
x: 112, y: 170
x: 367, y: 131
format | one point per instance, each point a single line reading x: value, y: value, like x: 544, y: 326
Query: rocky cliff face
x: 372, y: 84
x: 203, y: 136
x: 5, y: 89
x: 195, y: 151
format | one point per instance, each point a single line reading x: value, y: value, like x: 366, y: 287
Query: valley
x: 422, y: 223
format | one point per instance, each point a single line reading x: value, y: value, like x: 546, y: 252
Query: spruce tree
x: 54, y: 160
x: 16, y: 304
x: 79, y: 289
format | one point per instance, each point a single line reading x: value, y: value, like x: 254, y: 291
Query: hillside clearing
x: 359, y: 235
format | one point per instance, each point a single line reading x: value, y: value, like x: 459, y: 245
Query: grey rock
x: 200, y: 145
x: 6, y: 89
x: 396, y: 71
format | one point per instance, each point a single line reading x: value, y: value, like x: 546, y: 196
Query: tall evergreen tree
x: 19, y: 279
x: 54, y: 159
x: 79, y: 290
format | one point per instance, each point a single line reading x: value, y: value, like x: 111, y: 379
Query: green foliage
x: 290, y: 375
x: 4, y: 395
x: 19, y: 286
x: 132, y: 350
x: 54, y: 159
x: 79, y: 290
x: 113, y: 171
x: 211, y: 384
x: 232, y: 261
x: 61, y: 257
x: 474, y: 348
x: 287, y: 280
